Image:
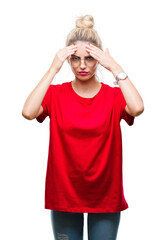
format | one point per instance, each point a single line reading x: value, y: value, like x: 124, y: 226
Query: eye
x: 74, y: 57
x: 89, y: 58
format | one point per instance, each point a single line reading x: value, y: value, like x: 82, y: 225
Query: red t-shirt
x: 84, y: 168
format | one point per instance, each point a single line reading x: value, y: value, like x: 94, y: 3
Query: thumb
x: 107, y: 51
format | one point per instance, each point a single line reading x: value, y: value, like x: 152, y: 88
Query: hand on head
x: 61, y: 56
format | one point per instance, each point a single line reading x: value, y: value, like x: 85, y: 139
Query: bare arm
x: 135, y: 105
x: 32, y: 107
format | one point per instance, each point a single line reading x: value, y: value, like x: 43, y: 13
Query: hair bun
x: 86, y: 21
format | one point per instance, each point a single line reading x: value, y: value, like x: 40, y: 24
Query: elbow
x: 26, y: 115
x: 139, y: 110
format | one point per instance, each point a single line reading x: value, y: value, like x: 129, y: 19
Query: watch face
x: 122, y: 75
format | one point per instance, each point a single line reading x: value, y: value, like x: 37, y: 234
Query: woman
x: 84, y: 171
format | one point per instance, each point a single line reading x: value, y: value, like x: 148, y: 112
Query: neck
x: 85, y: 85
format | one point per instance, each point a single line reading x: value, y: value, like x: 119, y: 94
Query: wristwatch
x: 120, y: 76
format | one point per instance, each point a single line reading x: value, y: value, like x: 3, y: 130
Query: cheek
x: 94, y: 67
x: 73, y: 69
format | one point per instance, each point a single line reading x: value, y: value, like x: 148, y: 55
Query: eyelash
x: 88, y: 57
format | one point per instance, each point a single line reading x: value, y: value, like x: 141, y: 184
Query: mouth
x: 83, y: 73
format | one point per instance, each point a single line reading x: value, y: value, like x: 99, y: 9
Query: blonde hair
x: 84, y: 31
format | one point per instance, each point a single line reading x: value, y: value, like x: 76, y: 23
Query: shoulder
x: 58, y: 89
x: 58, y: 86
x: 112, y: 90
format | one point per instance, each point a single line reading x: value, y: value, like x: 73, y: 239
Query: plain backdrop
x: 31, y: 34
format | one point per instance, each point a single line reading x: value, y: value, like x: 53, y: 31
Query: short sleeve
x: 120, y: 104
x: 46, y: 104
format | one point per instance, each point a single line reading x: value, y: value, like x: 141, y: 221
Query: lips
x: 83, y: 73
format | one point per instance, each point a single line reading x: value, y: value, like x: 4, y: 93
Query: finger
x: 94, y: 52
x: 89, y: 47
x: 94, y: 55
x: 71, y: 46
x: 92, y: 46
x: 94, y: 49
x: 107, y: 51
x: 70, y: 52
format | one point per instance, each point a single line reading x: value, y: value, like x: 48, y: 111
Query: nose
x: 82, y: 66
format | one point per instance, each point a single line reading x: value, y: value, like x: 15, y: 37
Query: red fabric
x: 84, y: 169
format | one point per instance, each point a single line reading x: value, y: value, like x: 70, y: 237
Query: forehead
x: 81, y: 47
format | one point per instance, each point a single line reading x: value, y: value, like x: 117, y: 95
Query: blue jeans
x: 69, y: 225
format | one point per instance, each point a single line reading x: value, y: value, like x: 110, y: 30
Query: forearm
x: 33, y: 102
x: 133, y: 99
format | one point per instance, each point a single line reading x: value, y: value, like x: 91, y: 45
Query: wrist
x: 52, y: 71
x: 115, y: 69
